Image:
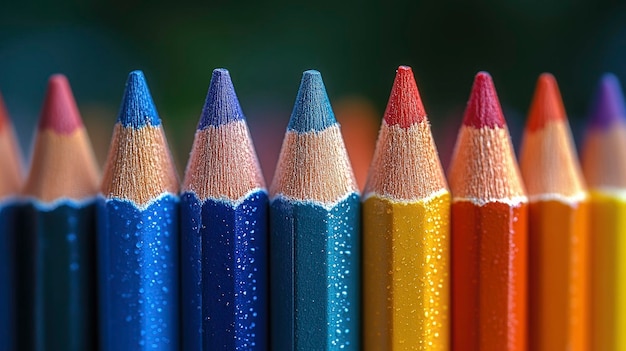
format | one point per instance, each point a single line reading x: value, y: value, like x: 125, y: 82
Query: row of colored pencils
x: 491, y: 257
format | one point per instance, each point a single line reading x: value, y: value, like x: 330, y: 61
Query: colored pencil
x: 406, y: 231
x: 224, y: 230
x: 61, y: 188
x: 314, y: 231
x: 489, y: 230
x: 138, y: 231
x: 604, y: 167
x: 10, y: 183
x: 558, y: 226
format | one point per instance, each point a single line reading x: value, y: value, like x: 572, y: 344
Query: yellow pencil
x: 406, y: 231
x: 604, y: 167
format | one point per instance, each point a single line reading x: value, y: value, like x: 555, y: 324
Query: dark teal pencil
x: 314, y: 232
x: 10, y: 182
x: 59, y: 222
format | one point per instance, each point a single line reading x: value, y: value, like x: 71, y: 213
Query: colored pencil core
x: 221, y: 105
x: 608, y: 107
x: 59, y: 112
x: 137, y: 109
x: 405, y: 104
x: 4, y: 118
x: 312, y: 111
x: 547, y: 104
x: 483, y: 108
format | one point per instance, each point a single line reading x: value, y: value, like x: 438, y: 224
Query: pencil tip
x: 221, y: 105
x: 59, y: 112
x: 608, y: 106
x: 547, y: 104
x: 137, y: 108
x: 4, y: 114
x: 483, y: 108
x: 312, y: 111
x: 405, y: 106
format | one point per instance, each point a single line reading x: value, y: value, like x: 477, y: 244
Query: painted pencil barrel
x: 138, y: 274
x: 7, y: 282
x: 558, y: 268
x: 224, y: 273
x: 608, y: 225
x: 406, y: 287
x: 489, y: 276
x: 65, y: 280
x: 315, y: 273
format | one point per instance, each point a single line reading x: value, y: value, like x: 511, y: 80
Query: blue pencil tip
x: 312, y: 111
x: 608, y: 106
x: 137, y: 108
x: 221, y: 105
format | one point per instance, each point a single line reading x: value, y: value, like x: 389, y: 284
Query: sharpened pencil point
x: 59, y: 112
x: 608, y: 107
x: 137, y: 108
x: 4, y: 115
x: 483, y: 108
x: 547, y: 104
x: 312, y: 111
x: 221, y: 105
x: 405, y: 104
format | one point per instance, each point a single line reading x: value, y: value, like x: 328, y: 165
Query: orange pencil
x: 558, y: 220
x: 489, y: 230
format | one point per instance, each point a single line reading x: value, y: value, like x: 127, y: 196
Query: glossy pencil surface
x: 314, y: 238
x: 489, y: 230
x: 558, y: 226
x: 59, y: 221
x: 138, y: 231
x: 406, y: 231
x: 10, y: 183
x: 604, y: 167
x: 224, y: 231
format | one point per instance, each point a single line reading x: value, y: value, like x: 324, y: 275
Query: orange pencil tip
x: 405, y: 106
x: 4, y: 115
x: 59, y: 112
x: 483, y: 108
x: 547, y: 104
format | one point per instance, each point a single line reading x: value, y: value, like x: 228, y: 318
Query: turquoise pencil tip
x: 312, y: 111
x: 221, y: 105
x: 137, y: 108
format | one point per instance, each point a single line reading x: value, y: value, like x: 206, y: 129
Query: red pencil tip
x: 547, y: 104
x: 405, y: 105
x: 483, y: 108
x: 4, y: 115
x: 59, y: 111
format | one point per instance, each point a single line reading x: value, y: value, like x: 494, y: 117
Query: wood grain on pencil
x: 558, y: 227
x: 11, y: 174
x: 489, y: 230
x: 406, y: 231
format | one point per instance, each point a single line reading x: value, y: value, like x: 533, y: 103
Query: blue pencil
x: 10, y: 182
x: 138, y: 231
x: 314, y: 236
x: 223, y: 231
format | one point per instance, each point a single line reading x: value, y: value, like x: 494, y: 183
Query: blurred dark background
x: 267, y: 45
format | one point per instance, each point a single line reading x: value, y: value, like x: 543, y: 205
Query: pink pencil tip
x: 405, y: 106
x: 483, y: 108
x: 59, y: 112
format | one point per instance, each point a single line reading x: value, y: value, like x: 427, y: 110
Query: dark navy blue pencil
x: 314, y: 232
x: 138, y: 231
x: 223, y: 231
x: 10, y: 182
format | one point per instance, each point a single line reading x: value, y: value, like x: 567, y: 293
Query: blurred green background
x: 266, y: 46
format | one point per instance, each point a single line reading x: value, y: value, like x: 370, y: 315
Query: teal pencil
x: 10, y: 182
x: 314, y: 239
x: 59, y: 218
